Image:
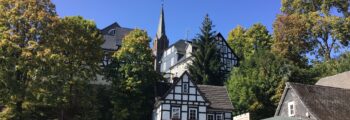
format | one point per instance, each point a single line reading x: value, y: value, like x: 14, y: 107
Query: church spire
x: 160, y: 42
x: 161, y: 25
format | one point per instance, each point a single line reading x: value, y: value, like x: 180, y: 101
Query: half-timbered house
x: 185, y: 100
x: 177, y: 57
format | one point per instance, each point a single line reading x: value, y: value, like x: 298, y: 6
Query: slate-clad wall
x: 300, y: 109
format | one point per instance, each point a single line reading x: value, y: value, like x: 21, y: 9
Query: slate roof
x: 180, y: 45
x: 162, y: 88
x: 324, y: 103
x: 217, y: 96
x: 112, y: 41
x: 341, y: 80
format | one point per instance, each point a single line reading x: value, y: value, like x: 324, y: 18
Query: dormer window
x: 291, y: 109
x: 111, y: 32
x: 185, y: 88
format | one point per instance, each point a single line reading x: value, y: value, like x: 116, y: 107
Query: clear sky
x: 181, y: 16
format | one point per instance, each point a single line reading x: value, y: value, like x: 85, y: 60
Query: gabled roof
x: 162, y: 88
x: 341, y: 80
x: 112, y: 41
x: 217, y: 96
x: 233, y: 52
x: 324, y: 103
x: 175, y: 83
x: 106, y: 29
x: 180, y: 45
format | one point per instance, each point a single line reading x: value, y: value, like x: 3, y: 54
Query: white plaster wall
x: 169, y: 97
x: 192, y: 90
x: 184, y: 116
x: 185, y: 97
x: 202, y: 116
x: 177, y: 97
x: 200, y: 98
x: 178, y: 89
x: 159, y: 110
x: 166, y: 106
x: 192, y: 98
x: 166, y: 115
x: 202, y: 109
x: 189, y: 50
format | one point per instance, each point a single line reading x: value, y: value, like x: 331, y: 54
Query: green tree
x: 327, y: 31
x: 205, y: 68
x: 26, y: 28
x: 252, y: 86
x: 133, y: 78
x: 237, y: 39
x: 291, y: 38
x: 257, y: 84
x: 77, y: 56
x: 247, y: 42
x: 335, y: 66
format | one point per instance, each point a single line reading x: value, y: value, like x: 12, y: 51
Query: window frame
x: 172, y: 112
x: 217, y: 115
x: 195, y: 114
x: 185, y: 85
x: 213, y: 116
x: 112, y: 32
x: 291, y: 109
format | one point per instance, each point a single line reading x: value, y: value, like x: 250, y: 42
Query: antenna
x: 162, y: 2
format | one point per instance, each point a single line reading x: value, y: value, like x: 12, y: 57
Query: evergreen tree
x: 133, y: 78
x: 205, y: 68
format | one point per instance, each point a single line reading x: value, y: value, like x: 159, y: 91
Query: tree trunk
x: 19, y: 109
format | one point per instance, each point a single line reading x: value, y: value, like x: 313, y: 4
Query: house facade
x: 314, y: 102
x: 177, y: 57
x: 185, y: 100
x: 112, y: 35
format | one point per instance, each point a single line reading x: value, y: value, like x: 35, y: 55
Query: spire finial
x: 161, y: 25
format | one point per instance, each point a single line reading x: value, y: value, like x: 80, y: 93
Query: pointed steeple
x: 161, y: 25
x: 160, y: 42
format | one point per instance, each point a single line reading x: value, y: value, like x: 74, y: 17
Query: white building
x: 177, y: 57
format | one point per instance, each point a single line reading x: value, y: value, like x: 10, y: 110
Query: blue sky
x: 181, y: 16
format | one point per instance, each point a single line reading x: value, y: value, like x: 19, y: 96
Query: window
x: 175, y: 113
x: 185, y: 88
x: 291, y: 109
x: 219, y: 117
x: 210, y: 117
x: 111, y: 32
x: 193, y: 114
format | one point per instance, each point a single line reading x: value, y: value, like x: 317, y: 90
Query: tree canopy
x: 133, y: 78
x: 47, y: 62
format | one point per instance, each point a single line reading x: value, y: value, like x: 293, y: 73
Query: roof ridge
x: 319, y: 86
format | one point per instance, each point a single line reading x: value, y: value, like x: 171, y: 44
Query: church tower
x: 160, y: 42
